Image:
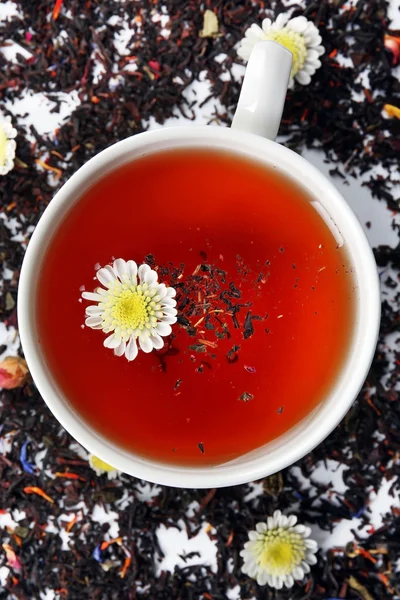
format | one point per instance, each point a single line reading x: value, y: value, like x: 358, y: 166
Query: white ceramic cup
x: 258, y: 114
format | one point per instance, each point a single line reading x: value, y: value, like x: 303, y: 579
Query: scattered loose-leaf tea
x: 129, y: 64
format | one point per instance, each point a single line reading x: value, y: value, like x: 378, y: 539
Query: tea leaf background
x: 105, y: 70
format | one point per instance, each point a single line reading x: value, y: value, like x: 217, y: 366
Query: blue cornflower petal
x: 27, y: 466
x: 97, y: 554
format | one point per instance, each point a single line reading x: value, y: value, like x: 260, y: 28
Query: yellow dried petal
x: 99, y: 465
x: 392, y: 111
x: 210, y: 25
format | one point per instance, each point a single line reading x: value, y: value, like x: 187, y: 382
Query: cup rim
x: 330, y: 411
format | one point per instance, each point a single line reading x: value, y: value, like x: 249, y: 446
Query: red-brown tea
x: 265, y: 301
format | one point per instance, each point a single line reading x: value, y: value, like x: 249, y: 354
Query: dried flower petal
x: 7, y: 145
x: 100, y: 467
x: 27, y: 466
x: 392, y: 44
x: 12, y: 558
x: 210, y: 25
x: 392, y: 111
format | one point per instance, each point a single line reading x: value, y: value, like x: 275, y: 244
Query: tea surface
x: 265, y: 298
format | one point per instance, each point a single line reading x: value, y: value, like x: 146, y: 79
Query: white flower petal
x: 169, y: 320
x: 112, y: 341
x: 142, y: 270
x: 94, y: 310
x: 311, y: 544
x: 281, y: 20
x: 261, y: 527
x: 157, y: 341
x: 132, y: 270
x: 277, y: 514
x: 314, y: 40
x: 289, y: 581
x: 310, y: 69
x: 298, y: 573
x: 255, y: 33
x: 169, y: 311
x: 161, y: 291
x: 298, y: 24
x: 305, y: 566
x: 171, y: 292
x: 292, y: 520
x: 163, y: 329
x: 266, y: 24
x: 253, y: 570
x: 120, y: 268
x: 311, y: 559
x: 93, y: 321
x: 244, y: 53
x: 92, y: 296
x: 262, y: 578
x: 145, y: 343
x: 279, y: 583
x: 312, y: 55
x: 253, y: 535
x: 105, y: 277
x: 303, y: 77
x: 131, y: 350
x: 150, y: 277
x: 284, y: 521
x: 168, y: 302
x: 119, y: 350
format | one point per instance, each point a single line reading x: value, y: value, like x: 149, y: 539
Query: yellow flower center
x: 129, y: 308
x: 132, y: 310
x: 277, y: 554
x: 97, y: 463
x: 280, y: 551
x: 3, y: 146
x: 295, y: 43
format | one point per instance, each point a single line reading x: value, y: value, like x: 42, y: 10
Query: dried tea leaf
x: 246, y: 397
x: 10, y: 302
x: 210, y: 25
x: 149, y: 73
x: 273, y: 485
x: 356, y: 585
x: 22, y: 532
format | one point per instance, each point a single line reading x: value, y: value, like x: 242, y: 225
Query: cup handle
x: 263, y: 92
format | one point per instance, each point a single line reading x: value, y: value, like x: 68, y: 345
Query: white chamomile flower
x: 7, y: 145
x: 100, y: 467
x: 278, y: 551
x: 131, y: 306
x: 298, y: 35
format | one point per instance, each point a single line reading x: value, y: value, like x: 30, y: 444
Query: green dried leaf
x: 22, y: 532
x: 10, y: 302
